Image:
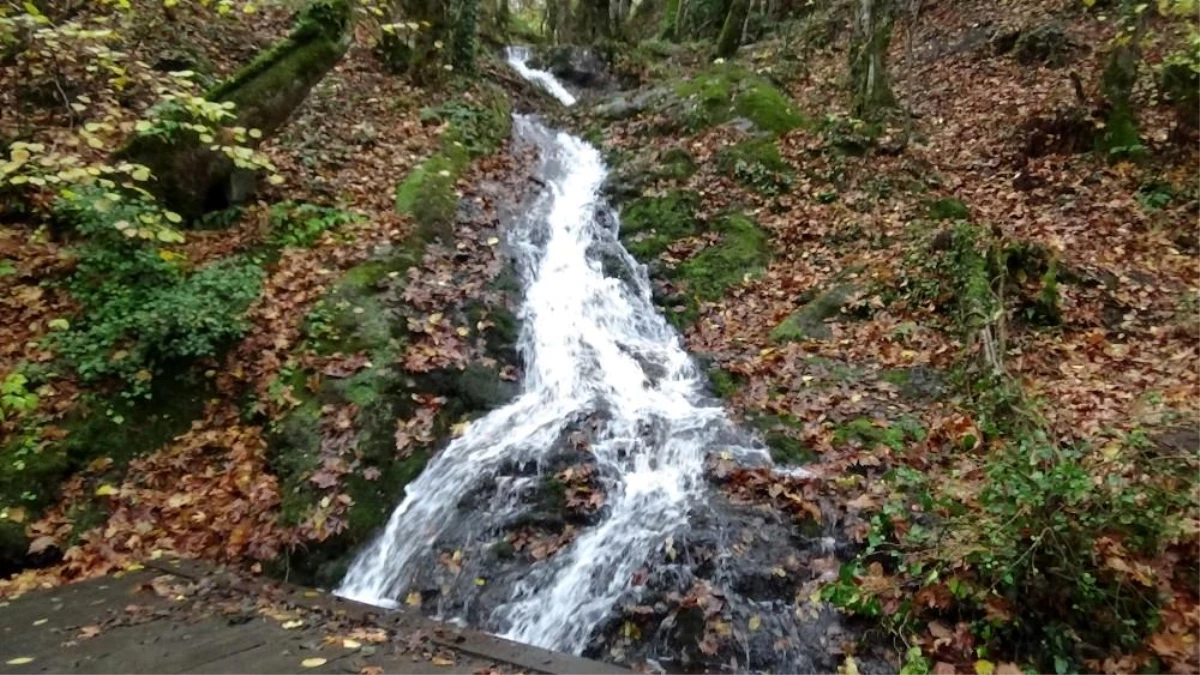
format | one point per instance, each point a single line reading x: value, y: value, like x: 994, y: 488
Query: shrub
x: 299, y: 224
x: 141, y: 306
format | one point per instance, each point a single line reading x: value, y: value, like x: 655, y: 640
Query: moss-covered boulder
x: 757, y: 164
x: 342, y: 427
x: 1044, y: 44
x: 741, y: 253
x: 650, y: 224
x: 726, y: 92
x: 476, y: 128
x: 808, y: 322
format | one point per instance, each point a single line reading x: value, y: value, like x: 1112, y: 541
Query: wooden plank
x: 280, y: 654
x: 157, y: 647
x: 73, y: 597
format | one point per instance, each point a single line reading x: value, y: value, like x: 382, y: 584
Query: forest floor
x: 938, y: 469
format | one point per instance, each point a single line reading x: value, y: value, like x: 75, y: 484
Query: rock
x: 577, y: 65
x: 809, y: 322
x: 1045, y: 44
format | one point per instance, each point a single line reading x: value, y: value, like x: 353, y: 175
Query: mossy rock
x: 756, y: 164
x: 351, y: 317
x: 870, y: 433
x: 919, y: 383
x: 850, y: 136
x: 677, y: 163
x: 809, y: 322
x: 428, y: 195
x: 650, y: 224
x: 727, y: 92
x: 947, y: 208
x: 382, y: 393
x: 630, y: 179
x: 777, y: 433
x: 724, y: 383
x: 743, y: 252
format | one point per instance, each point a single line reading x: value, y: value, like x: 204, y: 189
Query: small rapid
x: 601, y: 362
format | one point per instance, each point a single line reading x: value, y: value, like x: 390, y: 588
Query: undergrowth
x: 144, y: 306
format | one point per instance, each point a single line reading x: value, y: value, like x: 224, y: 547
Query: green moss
x: 947, y: 209
x: 677, y: 163
x: 32, y: 468
x: 809, y: 322
x: 870, y: 433
x: 777, y: 432
x: 761, y: 103
x: 757, y: 164
x: 743, y: 252
x: 726, y: 91
x: 724, y: 383
x: 650, y: 224
x: 898, y: 377
x: 475, y: 129
x: 321, y: 26
x: 428, y: 195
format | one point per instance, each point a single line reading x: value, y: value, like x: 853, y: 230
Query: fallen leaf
x: 19, y: 661
x: 314, y: 662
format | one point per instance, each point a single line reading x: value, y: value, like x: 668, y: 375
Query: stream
x: 607, y: 386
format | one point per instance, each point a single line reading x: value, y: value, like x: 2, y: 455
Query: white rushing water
x: 518, y: 58
x: 594, y: 347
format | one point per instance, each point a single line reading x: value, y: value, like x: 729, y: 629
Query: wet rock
x: 723, y: 596
x: 575, y: 65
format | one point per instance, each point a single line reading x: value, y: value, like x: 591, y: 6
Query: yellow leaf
x: 351, y: 644
x: 255, y: 133
x: 140, y: 174
x: 289, y: 625
x: 755, y: 622
x: 94, y: 142
x: 441, y: 661
x: 480, y: 581
x: 413, y: 599
x: 105, y: 490
x: 463, y: 331
x: 275, y: 179
x: 849, y: 667
x: 984, y: 667
x: 19, y: 661
x: 314, y: 662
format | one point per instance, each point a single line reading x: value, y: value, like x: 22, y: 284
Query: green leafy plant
x: 143, y: 306
x: 298, y: 224
x: 15, y: 399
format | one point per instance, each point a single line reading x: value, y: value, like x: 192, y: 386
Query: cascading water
x: 518, y: 58
x: 598, y: 357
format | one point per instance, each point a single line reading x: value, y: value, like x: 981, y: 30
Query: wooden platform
x: 180, y: 617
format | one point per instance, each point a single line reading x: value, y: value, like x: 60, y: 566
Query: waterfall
x: 595, y: 348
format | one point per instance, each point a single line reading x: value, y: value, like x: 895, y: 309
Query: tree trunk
x: 191, y: 179
x: 871, y: 90
x: 1120, y: 75
x: 670, y: 24
x: 466, y: 19
x: 602, y: 19
x: 731, y: 32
